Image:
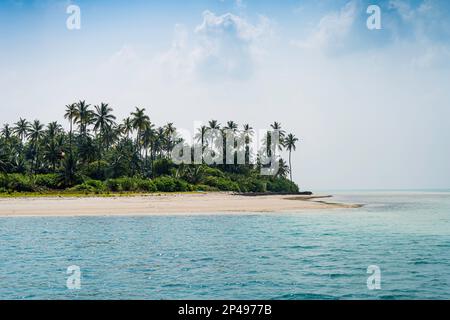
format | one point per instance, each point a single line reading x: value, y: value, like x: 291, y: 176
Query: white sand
x: 164, y: 204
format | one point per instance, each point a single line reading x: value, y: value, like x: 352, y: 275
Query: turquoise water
x: 311, y: 255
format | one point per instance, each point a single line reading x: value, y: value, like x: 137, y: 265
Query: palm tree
x: 83, y: 117
x: 21, y: 129
x: 71, y: 114
x: 160, y: 140
x: 170, y: 132
x: 53, y: 145
x: 290, y: 142
x: 53, y: 130
x: 248, y: 134
x: 102, y: 117
x: 103, y: 120
x: 148, y: 139
x: 283, y: 169
x: 277, y: 126
x: 231, y: 125
x: 4, y: 162
x: 281, y: 133
x: 127, y: 127
x: 6, y: 132
x: 214, y: 125
x: 200, y: 135
x: 35, y: 134
x: 140, y: 122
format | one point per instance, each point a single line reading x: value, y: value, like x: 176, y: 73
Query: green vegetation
x: 99, y: 156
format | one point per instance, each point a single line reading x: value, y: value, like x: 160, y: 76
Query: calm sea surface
x: 310, y: 255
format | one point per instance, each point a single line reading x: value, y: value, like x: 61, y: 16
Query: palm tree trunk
x: 290, y: 165
x: 70, y: 136
x: 146, y: 158
x: 203, y: 145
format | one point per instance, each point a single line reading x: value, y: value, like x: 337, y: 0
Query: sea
x: 397, y: 246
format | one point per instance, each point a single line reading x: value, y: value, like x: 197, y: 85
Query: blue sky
x: 370, y: 106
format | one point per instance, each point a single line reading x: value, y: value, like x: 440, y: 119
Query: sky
x: 371, y: 107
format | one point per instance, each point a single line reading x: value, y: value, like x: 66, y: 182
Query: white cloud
x: 332, y: 29
x: 426, y: 30
x: 125, y: 55
x: 222, y: 46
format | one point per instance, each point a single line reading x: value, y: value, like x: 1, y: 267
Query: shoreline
x: 162, y: 205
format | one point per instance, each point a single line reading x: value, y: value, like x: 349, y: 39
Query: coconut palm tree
x: 6, y: 132
x: 35, y: 132
x: 230, y: 128
x: 53, y: 152
x: 148, y: 139
x: 21, y: 129
x: 281, y: 133
x: 4, y: 162
x: 127, y: 127
x: 248, y: 134
x: 277, y: 126
x: 35, y: 135
x: 160, y: 140
x: 200, y: 135
x: 53, y: 130
x: 290, y: 142
x: 111, y: 136
x: 102, y: 117
x: 140, y: 122
x: 103, y: 121
x: 283, y: 169
x: 170, y: 132
x: 215, y: 126
x: 231, y: 125
x: 83, y: 117
x: 71, y: 114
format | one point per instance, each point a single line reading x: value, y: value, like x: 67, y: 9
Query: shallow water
x: 311, y: 255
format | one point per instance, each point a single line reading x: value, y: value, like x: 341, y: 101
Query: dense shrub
x: 165, y: 184
x: 20, y: 183
x: 131, y: 184
x: 222, y: 184
x: 146, y: 185
x: 204, y: 187
x: 96, y: 184
x: 84, y: 187
x: 113, y: 185
x: 90, y: 186
x: 281, y: 185
x: 128, y: 184
x: 122, y: 184
x: 96, y: 170
x: 181, y: 185
x: 162, y: 167
x: 49, y: 181
x: 252, y: 185
x: 170, y: 184
x: 208, y: 171
x: 3, y: 181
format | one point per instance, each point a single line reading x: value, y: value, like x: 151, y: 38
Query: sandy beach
x: 162, y: 204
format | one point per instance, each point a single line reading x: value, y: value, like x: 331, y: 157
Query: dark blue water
x: 307, y: 255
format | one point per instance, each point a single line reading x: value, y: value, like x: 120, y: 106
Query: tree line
x: 98, y: 147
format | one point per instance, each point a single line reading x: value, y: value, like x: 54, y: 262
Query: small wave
x: 419, y: 262
x: 304, y: 296
x: 301, y: 247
